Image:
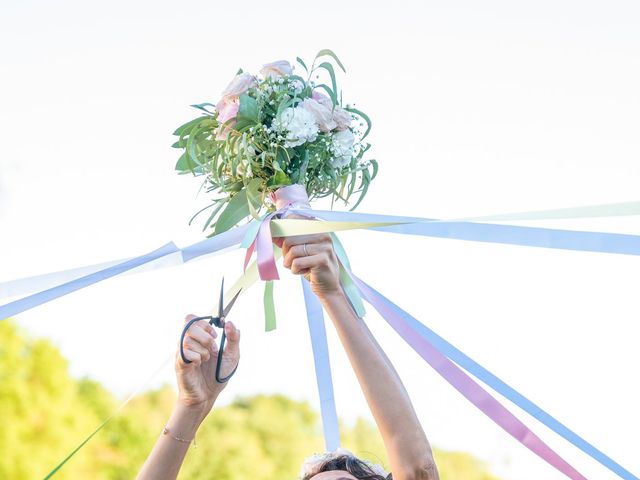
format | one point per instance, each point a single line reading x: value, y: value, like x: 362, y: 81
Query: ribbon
x: 286, y: 198
x: 58, y: 291
x: 45, y: 285
x: 471, y: 390
x: 585, y: 241
x: 480, y: 232
x: 497, y: 384
x: 433, y: 348
x: 315, y: 318
x: 226, y: 240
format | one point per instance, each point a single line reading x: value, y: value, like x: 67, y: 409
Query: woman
x: 407, y: 447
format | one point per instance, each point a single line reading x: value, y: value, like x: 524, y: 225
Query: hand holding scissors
x: 218, y: 321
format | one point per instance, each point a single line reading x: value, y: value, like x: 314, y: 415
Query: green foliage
x: 46, y: 414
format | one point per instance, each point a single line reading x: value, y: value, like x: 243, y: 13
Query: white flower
x: 297, y: 85
x: 342, y: 148
x: 299, y: 124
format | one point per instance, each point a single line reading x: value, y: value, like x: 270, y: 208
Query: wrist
x: 195, y: 411
x: 332, y: 296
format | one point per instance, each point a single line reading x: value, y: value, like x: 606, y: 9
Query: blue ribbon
x: 506, y: 391
x: 486, y: 232
x: 58, y: 291
x: 211, y: 245
x: 323, y: 368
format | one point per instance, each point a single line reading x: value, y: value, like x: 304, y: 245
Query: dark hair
x: 356, y: 467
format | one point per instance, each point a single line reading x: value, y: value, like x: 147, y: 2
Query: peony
x: 342, y: 148
x: 321, y: 113
x: 276, y: 69
x: 341, y: 117
x: 240, y: 84
x: 299, y: 124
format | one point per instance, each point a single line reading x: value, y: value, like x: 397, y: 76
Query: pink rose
x: 340, y: 117
x: 227, y: 109
x: 321, y: 113
x: 240, y: 84
x: 276, y: 69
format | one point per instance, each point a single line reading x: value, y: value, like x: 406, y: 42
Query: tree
x: 46, y: 414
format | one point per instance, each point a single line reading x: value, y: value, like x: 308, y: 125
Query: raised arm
x: 406, y: 443
x: 198, y: 391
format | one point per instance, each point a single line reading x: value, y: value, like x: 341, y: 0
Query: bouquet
x: 272, y: 131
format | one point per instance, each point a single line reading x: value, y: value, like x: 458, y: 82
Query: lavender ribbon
x: 471, y: 390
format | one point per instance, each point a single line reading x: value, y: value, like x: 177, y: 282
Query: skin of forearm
x: 166, y: 458
x: 409, y: 451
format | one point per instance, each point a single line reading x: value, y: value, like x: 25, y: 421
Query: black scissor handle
x: 218, y: 322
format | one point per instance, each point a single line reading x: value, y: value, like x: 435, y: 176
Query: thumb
x: 233, y: 338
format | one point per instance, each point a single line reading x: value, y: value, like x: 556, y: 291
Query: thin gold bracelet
x: 166, y: 431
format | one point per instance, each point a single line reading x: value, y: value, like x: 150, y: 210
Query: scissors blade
x: 221, y: 302
x: 228, y: 307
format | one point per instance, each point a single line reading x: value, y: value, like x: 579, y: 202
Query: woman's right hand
x: 197, y: 383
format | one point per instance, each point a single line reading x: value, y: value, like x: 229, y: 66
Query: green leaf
x: 303, y: 168
x: 202, y: 106
x: 327, y: 52
x: 248, y: 113
x: 364, y: 117
x: 186, y: 165
x: 187, y: 126
x: 283, y: 157
x: 253, y: 196
x: 364, y: 186
x: 329, y: 68
x: 200, y: 211
x: 299, y: 60
x: 279, y: 179
x: 374, y: 163
x: 220, y: 204
x: 236, y: 210
x: 282, y: 106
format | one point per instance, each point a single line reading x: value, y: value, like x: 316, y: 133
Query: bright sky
x: 477, y: 109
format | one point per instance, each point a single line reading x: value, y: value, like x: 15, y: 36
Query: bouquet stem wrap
x: 286, y: 198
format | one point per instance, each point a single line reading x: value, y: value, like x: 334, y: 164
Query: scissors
x: 218, y: 322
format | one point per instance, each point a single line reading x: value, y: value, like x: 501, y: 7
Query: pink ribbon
x: 471, y: 390
x: 293, y: 196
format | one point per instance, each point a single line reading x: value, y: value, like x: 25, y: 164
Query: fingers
x: 199, y: 341
x: 291, y: 251
x: 301, y: 265
x: 309, y: 239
